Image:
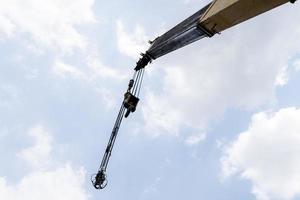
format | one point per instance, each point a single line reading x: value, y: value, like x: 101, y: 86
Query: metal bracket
x: 143, y: 62
x: 206, y: 31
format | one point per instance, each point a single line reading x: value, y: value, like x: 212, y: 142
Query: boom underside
x: 214, y: 18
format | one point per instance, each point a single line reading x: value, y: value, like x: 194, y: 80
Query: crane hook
x: 99, y: 180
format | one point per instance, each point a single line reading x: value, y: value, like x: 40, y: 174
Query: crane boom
x: 181, y: 35
x: 213, y: 18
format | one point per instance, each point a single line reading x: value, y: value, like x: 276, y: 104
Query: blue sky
x: 219, y: 119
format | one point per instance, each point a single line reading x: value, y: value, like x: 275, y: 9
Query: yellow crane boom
x: 223, y: 14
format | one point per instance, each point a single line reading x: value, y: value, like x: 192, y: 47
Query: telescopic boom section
x: 213, y: 18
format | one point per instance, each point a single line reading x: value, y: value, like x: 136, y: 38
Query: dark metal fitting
x: 130, y: 103
x: 143, y: 62
x: 130, y: 84
x: 99, y: 181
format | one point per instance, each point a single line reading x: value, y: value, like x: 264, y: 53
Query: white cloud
x: 239, y: 69
x: 96, y: 75
x: 9, y: 96
x: 38, y: 155
x: 131, y: 44
x: 7, y: 27
x: 152, y: 188
x: 49, y: 23
x: 93, y: 70
x: 282, y: 77
x: 160, y: 117
x: 267, y: 154
x: 296, y: 65
x: 47, y: 179
x: 63, y: 183
x: 65, y: 70
x: 195, y: 139
x: 98, y: 69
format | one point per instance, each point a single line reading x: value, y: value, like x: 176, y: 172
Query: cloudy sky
x: 219, y: 119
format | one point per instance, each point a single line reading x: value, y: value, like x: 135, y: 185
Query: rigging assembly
x: 129, y: 104
x: 216, y: 17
